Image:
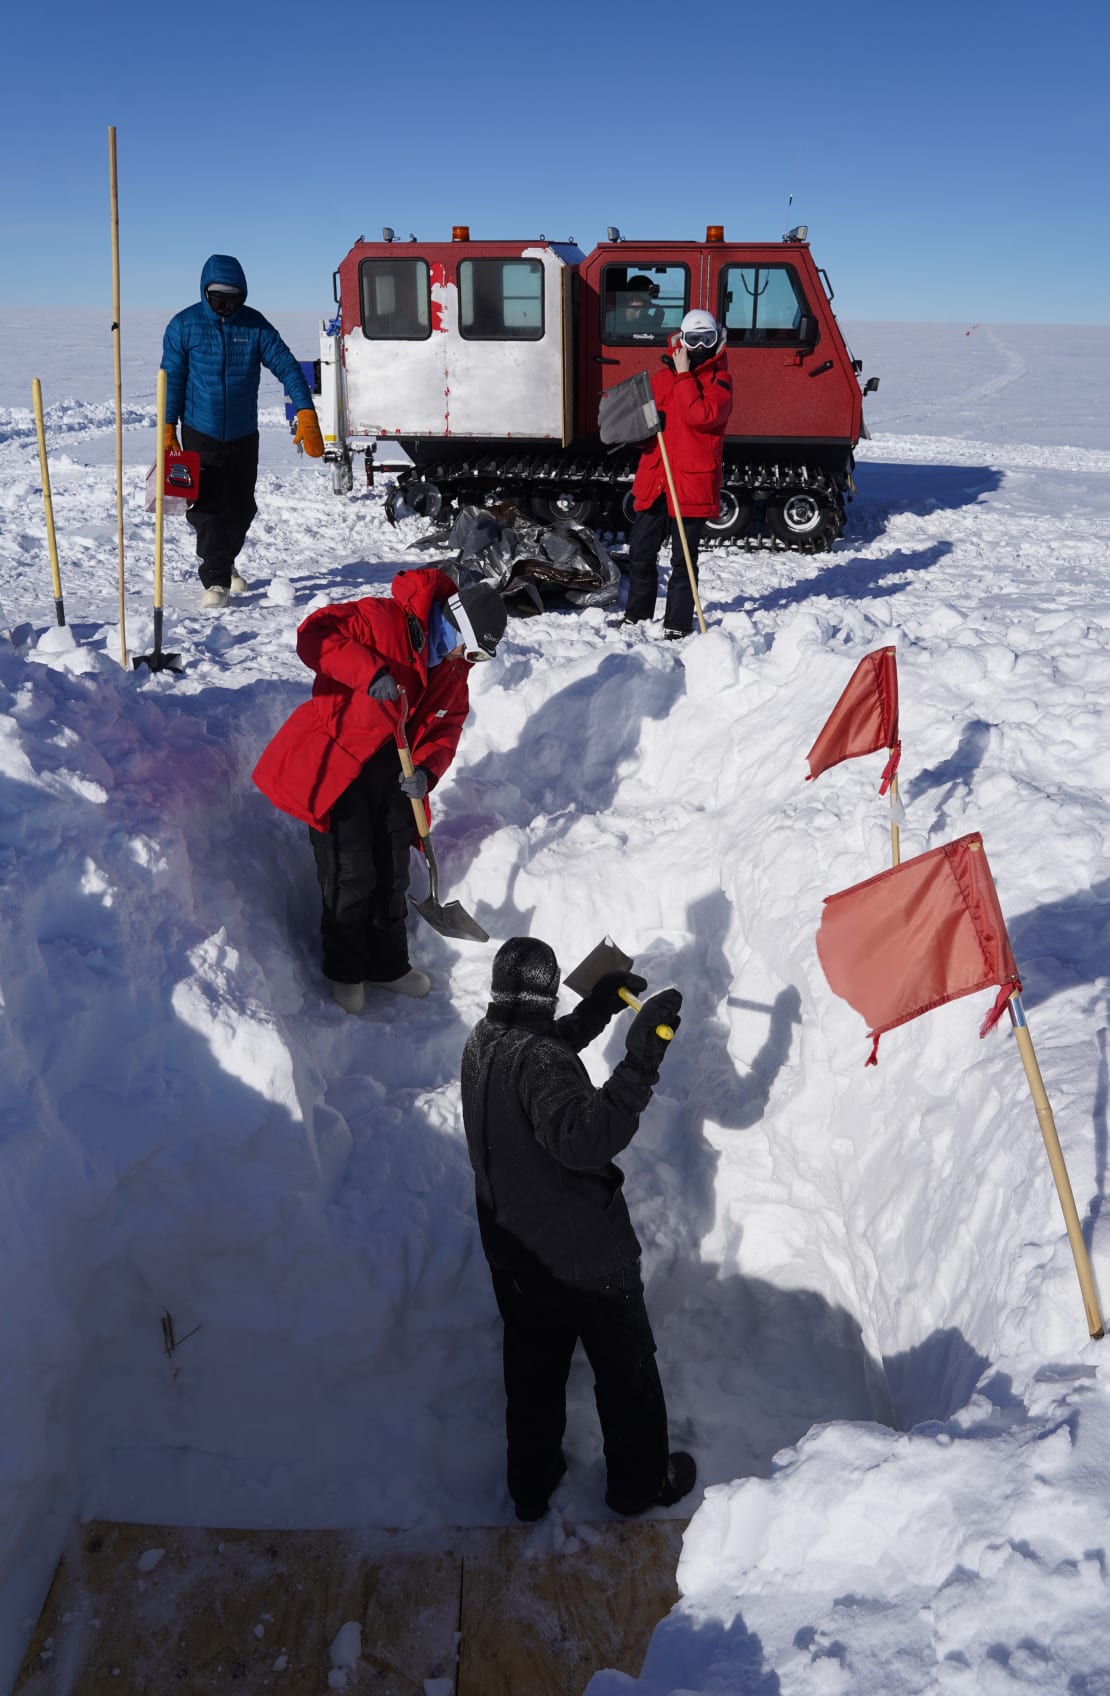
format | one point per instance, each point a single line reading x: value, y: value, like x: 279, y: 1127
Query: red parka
x: 323, y: 745
x: 696, y: 407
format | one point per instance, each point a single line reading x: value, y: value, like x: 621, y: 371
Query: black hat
x: 478, y: 614
x: 525, y: 972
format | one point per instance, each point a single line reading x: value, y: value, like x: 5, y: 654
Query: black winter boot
x: 529, y: 1511
x: 682, y: 1475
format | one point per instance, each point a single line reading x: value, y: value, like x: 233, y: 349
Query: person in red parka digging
x: 334, y: 762
x: 693, y: 392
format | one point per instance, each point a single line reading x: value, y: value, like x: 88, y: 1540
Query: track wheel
x: 566, y: 506
x: 732, y: 520
x: 802, y: 520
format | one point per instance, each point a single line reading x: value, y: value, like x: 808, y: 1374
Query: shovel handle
x: 409, y: 769
x: 663, y: 1031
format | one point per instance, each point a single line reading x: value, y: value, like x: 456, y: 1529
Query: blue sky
x: 950, y: 159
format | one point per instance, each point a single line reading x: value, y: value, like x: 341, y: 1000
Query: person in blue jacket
x: 213, y: 354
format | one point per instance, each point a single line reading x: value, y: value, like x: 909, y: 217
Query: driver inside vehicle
x: 634, y: 316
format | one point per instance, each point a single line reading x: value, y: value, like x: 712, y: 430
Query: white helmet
x: 699, y: 330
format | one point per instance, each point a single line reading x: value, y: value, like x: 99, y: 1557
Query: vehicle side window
x: 395, y: 299
x: 501, y: 300
x: 762, y: 305
x: 642, y: 305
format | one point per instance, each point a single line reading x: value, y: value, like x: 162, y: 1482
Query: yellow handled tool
x: 607, y: 957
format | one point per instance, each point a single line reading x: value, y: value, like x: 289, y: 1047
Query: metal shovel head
x: 159, y: 662
x: 451, y: 920
x: 606, y: 957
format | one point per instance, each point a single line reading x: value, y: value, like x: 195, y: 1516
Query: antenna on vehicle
x: 387, y: 233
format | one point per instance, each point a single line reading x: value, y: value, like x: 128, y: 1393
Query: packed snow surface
x: 242, y: 1278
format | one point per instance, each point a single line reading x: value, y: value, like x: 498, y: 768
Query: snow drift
x: 869, y: 1325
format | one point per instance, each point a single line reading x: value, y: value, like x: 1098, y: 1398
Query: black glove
x: 416, y: 786
x: 605, y: 994
x: 645, y: 1048
x: 382, y: 687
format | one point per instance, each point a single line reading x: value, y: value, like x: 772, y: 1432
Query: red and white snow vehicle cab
x: 485, y: 362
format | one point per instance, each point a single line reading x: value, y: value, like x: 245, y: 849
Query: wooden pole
x: 1056, y: 1161
x: 48, y: 504
x: 114, y: 197
x: 895, y: 831
x: 681, y: 532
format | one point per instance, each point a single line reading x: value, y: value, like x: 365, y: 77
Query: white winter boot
x: 239, y: 585
x: 411, y: 982
x: 350, y: 996
x: 214, y: 598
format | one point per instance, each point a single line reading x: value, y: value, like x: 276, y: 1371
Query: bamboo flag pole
x: 1056, y: 1161
x: 113, y: 189
x: 48, y: 504
x: 681, y: 532
x: 895, y: 830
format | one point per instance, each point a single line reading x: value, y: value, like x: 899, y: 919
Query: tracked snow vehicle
x: 485, y: 362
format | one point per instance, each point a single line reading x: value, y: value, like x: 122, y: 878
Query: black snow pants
x: 649, y: 531
x: 544, y: 1319
x: 362, y: 863
x: 224, y: 509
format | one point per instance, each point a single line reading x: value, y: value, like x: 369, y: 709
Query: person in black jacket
x: 563, y: 1255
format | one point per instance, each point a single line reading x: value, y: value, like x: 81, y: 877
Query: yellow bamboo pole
x: 681, y: 532
x: 1056, y: 1161
x: 895, y: 829
x: 113, y: 189
x: 48, y: 504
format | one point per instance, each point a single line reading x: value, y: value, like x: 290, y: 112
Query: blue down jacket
x: 213, y: 364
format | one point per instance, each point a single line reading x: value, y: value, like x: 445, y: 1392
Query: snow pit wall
x: 191, y: 1135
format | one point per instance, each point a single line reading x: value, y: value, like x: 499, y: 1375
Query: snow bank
x: 240, y: 1225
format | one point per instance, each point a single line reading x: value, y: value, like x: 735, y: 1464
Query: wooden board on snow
x: 483, y: 1613
x: 541, y: 1622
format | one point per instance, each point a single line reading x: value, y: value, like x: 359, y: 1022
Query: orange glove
x: 307, y: 434
x: 169, y: 438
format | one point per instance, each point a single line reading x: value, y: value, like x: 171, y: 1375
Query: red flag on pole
x: 916, y: 936
x: 864, y: 719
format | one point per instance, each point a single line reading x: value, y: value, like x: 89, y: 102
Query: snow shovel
x: 452, y: 919
x: 158, y: 661
x: 607, y: 957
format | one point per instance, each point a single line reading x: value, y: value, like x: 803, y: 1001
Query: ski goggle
x: 224, y: 301
x: 699, y: 338
x: 473, y: 651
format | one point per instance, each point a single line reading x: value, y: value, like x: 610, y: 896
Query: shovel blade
x: 450, y: 920
x: 606, y: 957
x: 159, y: 662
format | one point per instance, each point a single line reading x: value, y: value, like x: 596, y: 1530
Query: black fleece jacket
x: 542, y: 1140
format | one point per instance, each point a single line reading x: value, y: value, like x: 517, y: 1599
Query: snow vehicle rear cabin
x: 485, y: 362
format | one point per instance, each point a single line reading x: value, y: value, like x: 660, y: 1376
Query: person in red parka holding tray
x: 693, y: 392
x: 405, y: 656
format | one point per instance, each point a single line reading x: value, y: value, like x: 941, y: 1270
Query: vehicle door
x: 630, y: 307
x: 790, y: 377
